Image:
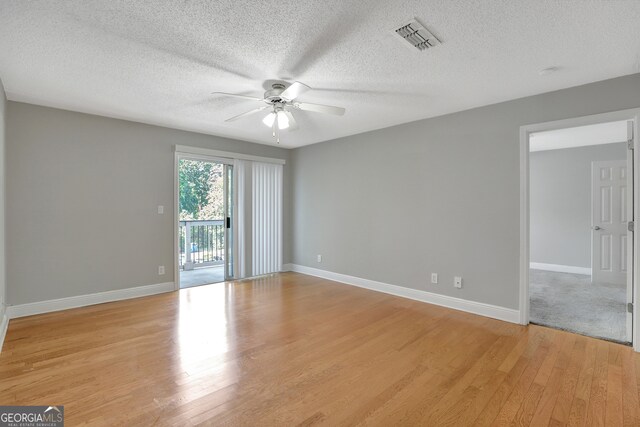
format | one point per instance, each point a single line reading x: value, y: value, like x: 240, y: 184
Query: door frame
x: 228, y: 186
x: 525, y: 131
x: 179, y: 155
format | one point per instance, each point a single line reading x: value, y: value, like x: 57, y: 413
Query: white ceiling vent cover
x: 417, y: 35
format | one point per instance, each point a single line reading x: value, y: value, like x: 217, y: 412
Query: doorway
x: 578, y: 204
x: 205, y: 221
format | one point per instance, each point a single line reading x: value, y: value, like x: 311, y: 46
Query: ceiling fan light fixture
x: 269, y: 119
x: 281, y: 100
x: 283, y: 120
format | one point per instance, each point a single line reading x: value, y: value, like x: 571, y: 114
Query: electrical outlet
x: 160, y: 270
x: 160, y: 209
x: 434, y: 278
x: 319, y: 258
x: 457, y: 282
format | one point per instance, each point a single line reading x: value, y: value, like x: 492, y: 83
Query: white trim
x: 525, y: 131
x: 184, y: 149
x: 482, y: 309
x: 636, y: 240
x: 560, y: 268
x: 4, y: 324
x: 176, y: 222
x: 21, y: 310
x: 524, y: 227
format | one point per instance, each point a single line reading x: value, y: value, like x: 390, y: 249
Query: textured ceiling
x: 156, y: 61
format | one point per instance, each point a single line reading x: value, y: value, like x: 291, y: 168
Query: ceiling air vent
x: 417, y: 35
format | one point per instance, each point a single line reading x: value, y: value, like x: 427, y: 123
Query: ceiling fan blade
x: 234, y: 95
x: 294, y: 91
x: 293, y: 125
x: 319, y: 108
x: 247, y: 113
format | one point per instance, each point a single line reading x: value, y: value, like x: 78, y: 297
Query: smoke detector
x: 417, y: 35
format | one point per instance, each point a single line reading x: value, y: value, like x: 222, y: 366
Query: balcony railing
x: 201, y: 243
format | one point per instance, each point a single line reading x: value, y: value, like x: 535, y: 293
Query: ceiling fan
x: 281, y: 100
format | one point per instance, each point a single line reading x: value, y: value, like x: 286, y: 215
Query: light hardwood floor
x: 297, y: 350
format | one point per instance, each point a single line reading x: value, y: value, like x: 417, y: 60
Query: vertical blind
x: 240, y: 221
x: 266, y: 218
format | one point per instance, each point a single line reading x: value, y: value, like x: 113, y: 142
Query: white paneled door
x: 610, y: 215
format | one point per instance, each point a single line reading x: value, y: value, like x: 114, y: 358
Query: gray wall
x: 82, y: 197
x: 438, y: 195
x: 3, y: 127
x: 560, y: 202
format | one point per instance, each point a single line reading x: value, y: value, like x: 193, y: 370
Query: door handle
x: 597, y: 228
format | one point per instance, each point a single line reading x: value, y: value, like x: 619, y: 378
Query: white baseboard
x: 21, y: 310
x: 482, y: 309
x: 560, y: 268
x: 4, y: 324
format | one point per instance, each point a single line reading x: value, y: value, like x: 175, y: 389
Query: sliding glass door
x: 205, y: 221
